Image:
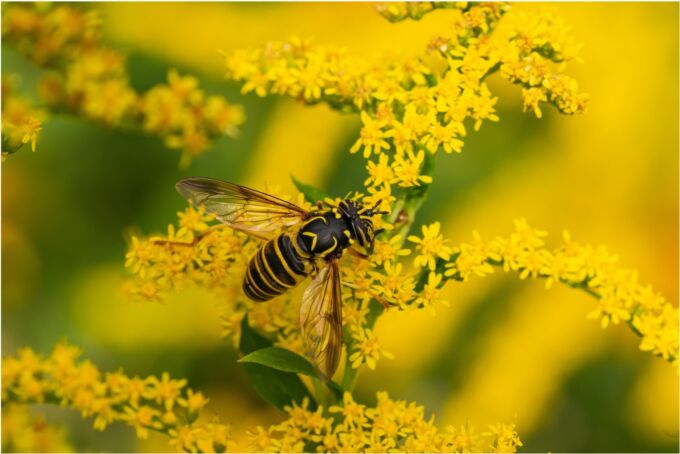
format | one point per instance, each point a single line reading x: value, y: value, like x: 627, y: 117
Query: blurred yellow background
x: 504, y: 351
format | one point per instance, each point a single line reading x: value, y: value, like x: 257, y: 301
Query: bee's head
x: 361, y: 223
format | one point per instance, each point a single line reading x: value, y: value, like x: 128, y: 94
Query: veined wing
x: 321, y: 320
x: 243, y: 208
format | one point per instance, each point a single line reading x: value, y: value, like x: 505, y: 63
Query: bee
x: 297, y: 244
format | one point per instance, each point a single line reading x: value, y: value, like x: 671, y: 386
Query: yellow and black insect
x: 298, y: 243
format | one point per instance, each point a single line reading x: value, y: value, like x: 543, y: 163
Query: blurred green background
x: 505, y: 350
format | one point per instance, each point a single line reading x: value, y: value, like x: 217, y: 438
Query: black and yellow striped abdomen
x: 274, y: 269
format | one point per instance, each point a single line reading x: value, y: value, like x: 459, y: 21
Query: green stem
x: 320, y: 392
x: 402, y: 217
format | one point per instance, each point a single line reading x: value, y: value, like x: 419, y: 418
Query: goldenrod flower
x: 620, y: 296
x: 531, y: 97
x: 394, y: 285
x: 431, y: 246
x: 398, y: 11
x: 471, y: 259
x: 383, y: 196
x: 21, y: 122
x: 144, y: 404
x: 380, y: 172
x: 390, y: 426
x: 90, y: 80
x: 402, y: 135
x: 367, y: 349
x: 262, y: 441
x: 445, y: 136
x: 464, y: 439
x: 108, y: 101
x: 431, y: 293
x: 387, y: 250
x: 505, y: 438
x: 372, y: 138
x: 23, y: 432
x: 354, y: 414
x: 408, y: 167
x: 659, y: 331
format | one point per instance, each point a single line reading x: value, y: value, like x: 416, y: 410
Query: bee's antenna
x: 373, y: 211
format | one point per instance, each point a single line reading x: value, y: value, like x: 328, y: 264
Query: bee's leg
x: 374, y: 295
x: 314, y: 270
x: 356, y: 253
x: 249, y: 232
x: 196, y: 239
x: 384, y: 303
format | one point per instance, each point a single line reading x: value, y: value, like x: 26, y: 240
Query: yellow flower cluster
x: 415, y: 286
x: 88, y: 79
x: 540, y: 48
x: 181, y: 112
x: 409, y: 112
x: 21, y: 122
x: 164, y: 262
x: 390, y: 426
x: 367, y: 349
x: 49, y: 34
x: 593, y: 269
x: 22, y: 432
x: 399, y: 11
x: 525, y: 47
x: 217, y: 260
x: 159, y: 404
x: 165, y: 406
x: 408, y: 109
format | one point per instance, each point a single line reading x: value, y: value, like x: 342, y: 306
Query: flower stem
x: 402, y: 217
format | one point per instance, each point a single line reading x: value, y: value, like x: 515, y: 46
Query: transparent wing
x: 243, y: 208
x: 321, y: 320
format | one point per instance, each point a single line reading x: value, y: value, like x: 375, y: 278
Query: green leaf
x: 277, y: 387
x: 280, y: 359
x: 311, y: 193
x: 288, y: 361
x: 251, y: 340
